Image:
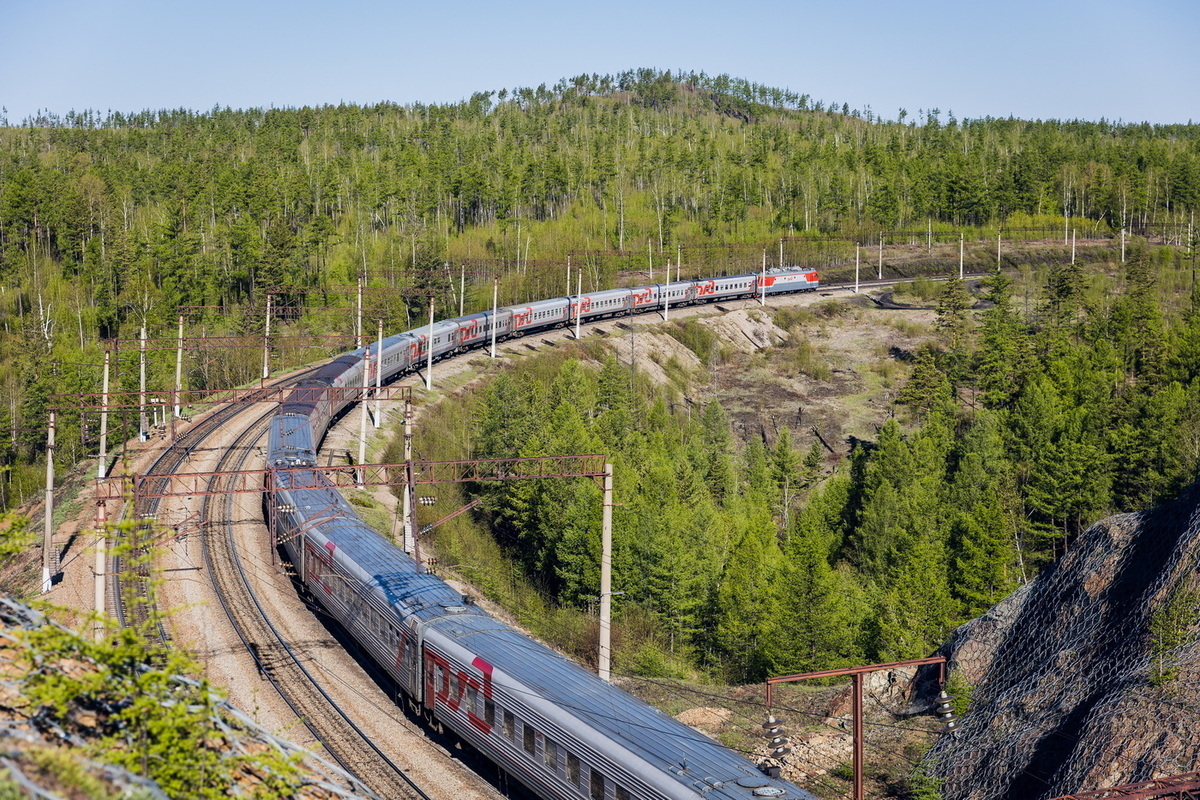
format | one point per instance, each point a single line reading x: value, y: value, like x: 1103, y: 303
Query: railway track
x: 278, y: 661
x: 132, y: 586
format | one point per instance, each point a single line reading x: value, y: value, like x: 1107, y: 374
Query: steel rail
x: 137, y: 591
x: 328, y: 722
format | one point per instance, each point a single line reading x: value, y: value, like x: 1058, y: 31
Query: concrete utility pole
x: 102, y: 467
x: 880, y: 256
x: 178, y: 374
x: 379, y: 378
x: 856, y: 248
x: 266, y: 371
x: 429, y: 351
x: 606, y: 593
x: 666, y: 293
x: 408, y: 543
x: 579, y: 306
x: 496, y: 307
x: 143, y: 433
x: 362, y: 417
x: 48, y: 565
x: 762, y: 284
x: 358, y: 326
x: 101, y: 570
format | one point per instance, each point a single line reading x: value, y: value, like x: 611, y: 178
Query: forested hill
x: 109, y: 222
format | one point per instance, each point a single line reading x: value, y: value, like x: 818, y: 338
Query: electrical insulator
x: 773, y: 729
x: 944, y: 709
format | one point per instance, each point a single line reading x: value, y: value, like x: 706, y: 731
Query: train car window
x: 573, y: 769
x: 623, y: 793
x: 472, y: 699
x: 508, y: 725
x: 489, y: 713
x: 529, y: 738
x: 550, y: 755
x: 445, y: 679
x: 597, y: 785
x: 453, y: 685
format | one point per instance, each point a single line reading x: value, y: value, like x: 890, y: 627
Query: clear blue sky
x: 1087, y: 59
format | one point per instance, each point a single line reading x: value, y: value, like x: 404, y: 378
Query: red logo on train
x: 437, y: 674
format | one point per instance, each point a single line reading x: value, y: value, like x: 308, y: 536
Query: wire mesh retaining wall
x: 1079, y: 679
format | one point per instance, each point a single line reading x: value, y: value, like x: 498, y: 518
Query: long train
x: 546, y: 721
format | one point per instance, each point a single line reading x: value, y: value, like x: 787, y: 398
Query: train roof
x: 656, y: 737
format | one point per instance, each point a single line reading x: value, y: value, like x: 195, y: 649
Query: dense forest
x: 1085, y: 404
x: 754, y: 556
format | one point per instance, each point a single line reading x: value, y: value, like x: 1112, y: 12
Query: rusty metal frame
x: 1177, y: 787
x: 118, y: 401
x: 192, y: 484
x: 856, y: 700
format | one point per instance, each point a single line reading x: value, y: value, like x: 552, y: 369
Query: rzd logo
x: 440, y: 688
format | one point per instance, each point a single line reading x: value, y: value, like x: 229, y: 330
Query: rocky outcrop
x: 1086, y: 677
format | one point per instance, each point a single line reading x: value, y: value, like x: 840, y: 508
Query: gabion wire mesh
x: 1073, y: 685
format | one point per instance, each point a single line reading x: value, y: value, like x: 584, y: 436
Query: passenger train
x: 549, y: 723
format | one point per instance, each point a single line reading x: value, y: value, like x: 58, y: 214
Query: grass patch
x: 699, y: 339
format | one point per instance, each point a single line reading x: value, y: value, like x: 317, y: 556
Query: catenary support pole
x: 881, y: 255
x: 961, y: 249
x: 379, y: 377
x: 429, y: 351
x: 143, y: 433
x: 101, y: 571
x: 407, y: 499
x: 266, y: 370
x: 762, y: 283
x: 48, y: 559
x: 606, y: 579
x: 178, y: 409
x: 358, y: 326
x: 102, y: 467
x: 495, y: 308
x: 362, y: 419
x: 579, y: 306
x: 665, y: 294
x: 856, y: 248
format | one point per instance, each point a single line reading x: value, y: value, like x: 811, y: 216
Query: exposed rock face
x: 1086, y: 677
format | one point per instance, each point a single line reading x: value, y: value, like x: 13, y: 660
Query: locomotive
x: 549, y: 723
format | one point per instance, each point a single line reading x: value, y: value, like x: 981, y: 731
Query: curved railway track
x: 132, y: 585
x: 277, y: 661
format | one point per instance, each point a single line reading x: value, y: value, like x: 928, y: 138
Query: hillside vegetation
x: 930, y: 472
x: 112, y: 222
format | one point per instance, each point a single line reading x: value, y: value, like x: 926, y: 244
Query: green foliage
x: 15, y: 535
x: 1172, y: 624
x: 698, y: 338
x: 147, y: 719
